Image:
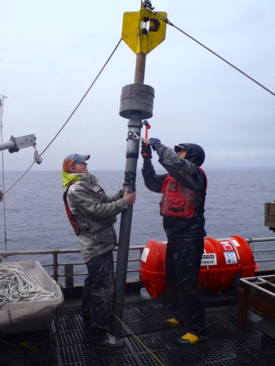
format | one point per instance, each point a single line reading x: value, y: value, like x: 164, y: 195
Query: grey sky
x: 52, y: 51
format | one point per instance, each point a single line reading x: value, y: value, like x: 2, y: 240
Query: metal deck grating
x: 228, y: 345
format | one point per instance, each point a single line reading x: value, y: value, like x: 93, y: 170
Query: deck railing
x: 254, y: 241
x: 70, y: 270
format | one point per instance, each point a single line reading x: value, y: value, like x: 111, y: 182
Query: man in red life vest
x: 92, y: 214
x: 182, y: 207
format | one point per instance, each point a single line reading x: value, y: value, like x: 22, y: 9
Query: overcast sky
x: 51, y: 51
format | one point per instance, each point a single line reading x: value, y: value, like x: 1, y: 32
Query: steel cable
x: 167, y: 21
x: 70, y: 116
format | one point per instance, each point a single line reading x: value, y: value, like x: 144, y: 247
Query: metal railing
x: 251, y: 242
x: 69, y: 270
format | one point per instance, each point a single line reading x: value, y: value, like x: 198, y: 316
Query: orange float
x: 221, y: 261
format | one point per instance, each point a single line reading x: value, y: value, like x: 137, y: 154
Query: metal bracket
x: 22, y: 142
x: 134, y: 136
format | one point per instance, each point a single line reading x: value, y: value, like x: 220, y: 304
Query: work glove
x: 154, y: 142
x: 146, y: 151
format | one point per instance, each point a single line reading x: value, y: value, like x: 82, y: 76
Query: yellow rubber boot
x: 190, y: 338
x: 172, y: 322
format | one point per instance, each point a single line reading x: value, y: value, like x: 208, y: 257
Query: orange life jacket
x: 71, y: 217
x: 177, y: 200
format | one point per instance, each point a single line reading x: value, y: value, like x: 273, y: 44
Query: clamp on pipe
x: 134, y: 136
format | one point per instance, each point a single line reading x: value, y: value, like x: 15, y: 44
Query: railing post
x: 55, y: 267
x: 69, y: 276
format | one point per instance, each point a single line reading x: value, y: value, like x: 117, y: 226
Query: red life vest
x: 177, y: 199
x: 71, y: 217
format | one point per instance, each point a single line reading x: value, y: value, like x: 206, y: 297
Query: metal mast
x: 142, y: 31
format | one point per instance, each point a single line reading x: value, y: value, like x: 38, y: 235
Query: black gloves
x: 146, y: 152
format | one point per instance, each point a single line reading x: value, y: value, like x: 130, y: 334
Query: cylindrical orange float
x: 221, y: 261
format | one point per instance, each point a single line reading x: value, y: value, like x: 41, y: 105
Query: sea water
x: 35, y: 219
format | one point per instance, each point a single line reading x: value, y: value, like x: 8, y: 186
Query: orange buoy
x: 221, y: 261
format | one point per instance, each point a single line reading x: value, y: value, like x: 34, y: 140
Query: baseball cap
x: 74, y: 159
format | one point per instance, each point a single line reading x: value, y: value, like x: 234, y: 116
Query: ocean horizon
x: 33, y: 215
x: 209, y: 169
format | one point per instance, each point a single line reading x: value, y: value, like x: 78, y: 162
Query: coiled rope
x: 16, y: 285
x: 31, y: 345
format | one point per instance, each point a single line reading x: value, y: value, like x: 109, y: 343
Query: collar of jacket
x: 68, y: 178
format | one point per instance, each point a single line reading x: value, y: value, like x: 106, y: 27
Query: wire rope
x: 83, y: 96
x: 138, y: 340
x: 3, y: 180
x: 70, y: 116
x: 160, y: 16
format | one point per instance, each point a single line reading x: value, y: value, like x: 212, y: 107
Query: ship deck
x: 147, y: 341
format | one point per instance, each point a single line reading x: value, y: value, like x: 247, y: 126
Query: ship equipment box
x: 30, y: 316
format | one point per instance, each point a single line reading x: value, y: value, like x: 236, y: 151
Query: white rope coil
x: 16, y: 285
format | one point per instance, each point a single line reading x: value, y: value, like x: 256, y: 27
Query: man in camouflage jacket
x: 93, y: 214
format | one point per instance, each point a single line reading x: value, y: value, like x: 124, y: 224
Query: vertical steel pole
x: 134, y: 124
x: 140, y: 68
x: 136, y: 105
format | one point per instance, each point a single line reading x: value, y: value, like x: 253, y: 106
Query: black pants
x: 98, y: 292
x: 182, y: 269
